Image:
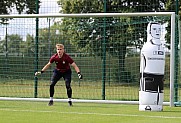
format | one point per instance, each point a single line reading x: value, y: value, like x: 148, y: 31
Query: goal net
x: 105, y: 46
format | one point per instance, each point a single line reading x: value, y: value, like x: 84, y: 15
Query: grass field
x: 39, y: 112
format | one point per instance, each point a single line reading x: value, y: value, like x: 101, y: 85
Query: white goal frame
x: 172, y: 60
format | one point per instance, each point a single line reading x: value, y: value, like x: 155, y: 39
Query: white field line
x: 90, y: 113
x: 76, y: 100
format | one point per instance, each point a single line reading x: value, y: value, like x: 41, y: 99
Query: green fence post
x: 104, y: 55
x: 176, y: 54
x: 36, y: 52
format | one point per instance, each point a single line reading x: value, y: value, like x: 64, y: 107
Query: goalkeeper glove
x: 79, y: 75
x: 38, y: 73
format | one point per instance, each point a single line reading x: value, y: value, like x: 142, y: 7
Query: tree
x: 1, y: 46
x: 22, y: 6
x: 87, y: 34
x: 28, y: 46
x: 29, y: 6
x: 171, y: 6
x: 13, y: 43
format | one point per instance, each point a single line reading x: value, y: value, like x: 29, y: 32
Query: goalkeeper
x: 63, y: 62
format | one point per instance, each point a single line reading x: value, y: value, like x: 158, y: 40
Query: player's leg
x: 55, y: 77
x: 67, y: 78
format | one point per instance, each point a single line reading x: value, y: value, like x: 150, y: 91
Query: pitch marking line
x: 89, y: 113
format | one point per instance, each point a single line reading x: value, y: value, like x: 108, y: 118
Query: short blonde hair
x: 60, y: 45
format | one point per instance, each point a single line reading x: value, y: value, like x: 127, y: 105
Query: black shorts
x: 57, y: 75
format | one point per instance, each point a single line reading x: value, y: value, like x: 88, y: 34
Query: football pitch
x: 60, y: 112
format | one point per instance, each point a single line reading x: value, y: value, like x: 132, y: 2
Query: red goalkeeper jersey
x: 63, y: 63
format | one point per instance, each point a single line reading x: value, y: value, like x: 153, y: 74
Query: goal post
x: 114, y: 76
x: 171, y: 14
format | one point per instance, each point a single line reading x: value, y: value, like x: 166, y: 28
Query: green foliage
x: 28, y: 46
x: 21, y: 6
x: 172, y: 6
x: 7, y: 6
x: 12, y: 43
x: 81, y: 6
x: 91, y: 29
x: 50, y: 36
x: 90, y: 34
